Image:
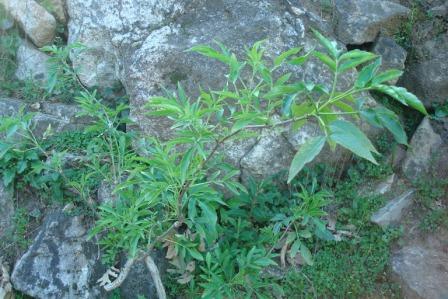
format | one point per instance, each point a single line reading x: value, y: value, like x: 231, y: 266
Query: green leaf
x: 307, y: 152
x: 326, y: 60
x: 287, y: 102
x: 185, y: 163
x: 210, y: 52
x: 386, y: 76
x: 295, y: 247
x: 391, y: 122
x: 195, y: 254
x: 403, y: 96
x: 349, y: 136
x: 306, y: 255
x: 8, y: 176
x: 300, y: 59
x: 362, y: 57
x: 367, y: 73
x: 329, y: 45
x: 285, y: 55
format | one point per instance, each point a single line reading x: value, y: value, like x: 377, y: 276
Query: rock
x: 271, y: 154
x: 439, y: 11
x: 105, y: 193
x: 60, y: 263
x: 139, y: 281
x: 147, y: 52
x: 31, y: 63
x: 394, y: 210
x: 6, y: 209
x: 427, y: 75
x: 393, y: 56
x: 61, y: 117
x: 6, y: 291
x: 425, y: 147
x: 38, y: 24
x: 421, y: 267
x: 57, y: 9
x: 360, y: 21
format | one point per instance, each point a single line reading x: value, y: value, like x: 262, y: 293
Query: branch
x: 152, y: 267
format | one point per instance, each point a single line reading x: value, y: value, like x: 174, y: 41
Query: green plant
x: 434, y: 219
x: 62, y: 79
x: 170, y: 195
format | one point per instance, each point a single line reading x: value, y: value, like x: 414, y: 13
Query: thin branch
x: 152, y: 267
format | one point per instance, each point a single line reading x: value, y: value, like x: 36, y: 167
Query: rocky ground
x: 140, y: 45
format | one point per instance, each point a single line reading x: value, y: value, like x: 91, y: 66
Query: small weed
x: 434, y: 220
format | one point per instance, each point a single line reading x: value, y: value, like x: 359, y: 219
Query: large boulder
x: 144, y: 47
x: 427, y: 74
x: 392, y: 54
x: 360, y: 21
x: 60, y: 263
x: 31, y: 63
x: 38, y: 24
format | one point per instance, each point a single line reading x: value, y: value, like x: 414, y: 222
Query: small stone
x: 394, y: 210
x: 38, y: 24
x: 31, y: 63
x: 360, y: 21
x: 57, y: 8
x: 393, y: 55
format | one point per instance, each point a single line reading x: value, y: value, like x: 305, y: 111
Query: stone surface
x: 421, y: 266
x: 60, y: 263
x: 61, y: 117
x: 31, y: 63
x: 427, y: 75
x: 6, y: 291
x: 393, y: 55
x: 6, y: 210
x: 424, y: 151
x: 38, y: 24
x: 394, y: 210
x: 139, y: 281
x: 57, y: 8
x: 360, y: 21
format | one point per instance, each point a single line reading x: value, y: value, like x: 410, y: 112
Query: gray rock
x: 31, y: 63
x: 57, y: 9
x: 360, y: 21
x: 61, y: 117
x: 421, y: 268
x: 105, y: 193
x: 427, y: 76
x: 6, y: 291
x: 394, y: 210
x: 145, y: 47
x: 139, y: 281
x: 393, y: 56
x: 60, y: 263
x: 38, y: 24
x: 423, y: 152
x: 6, y: 210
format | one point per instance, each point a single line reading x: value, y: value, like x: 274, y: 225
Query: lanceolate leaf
x: 349, y: 136
x: 306, y: 154
x: 403, y: 96
x: 285, y: 55
x: 367, y: 73
x: 391, y: 122
x: 354, y: 62
x: 325, y: 59
x: 329, y: 45
x: 386, y: 76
